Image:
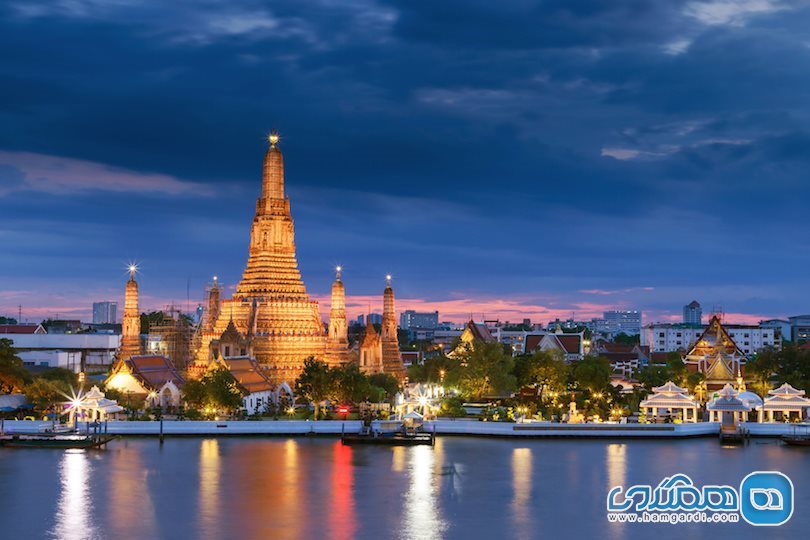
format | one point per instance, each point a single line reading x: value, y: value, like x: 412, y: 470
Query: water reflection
x: 616, y: 464
x: 209, y: 487
x: 73, y: 518
x: 422, y: 516
x: 522, y: 486
x: 131, y: 510
x: 341, y: 517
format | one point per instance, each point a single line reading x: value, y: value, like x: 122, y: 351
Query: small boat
x: 55, y: 441
x: 406, y: 432
x: 797, y: 438
x: 395, y: 439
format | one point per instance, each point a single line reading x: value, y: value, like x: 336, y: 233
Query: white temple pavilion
x: 728, y: 408
x: 784, y: 400
x: 672, y: 399
x: 92, y: 406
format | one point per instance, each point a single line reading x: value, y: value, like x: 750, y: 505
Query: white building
x: 664, y: 337
x: 77, y: 352
x: 621, y: 322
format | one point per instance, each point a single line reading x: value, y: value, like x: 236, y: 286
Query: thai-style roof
x: 786, y: 390
x: 728, y: 401
x: 785, y: 398
x: 568, y: 343
x: 669, y: 396
x: 669, y: 401
x: 372, y: 337
x: 153, y: 371
x: 670, y: 388
x: 479, y: 332
x: 713, y: 341
x: 719, y: 368
x: 248, y: 374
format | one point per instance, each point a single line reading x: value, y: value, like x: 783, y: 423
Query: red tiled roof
x: 18, y: 328
x: 570, y: 342
x: 248, y: 374
x: 532, y: 342
x: 154, y: 371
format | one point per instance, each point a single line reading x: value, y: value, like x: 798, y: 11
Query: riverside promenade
x: 441, y: 427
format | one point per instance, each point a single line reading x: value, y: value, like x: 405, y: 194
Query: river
x: 279, y: 488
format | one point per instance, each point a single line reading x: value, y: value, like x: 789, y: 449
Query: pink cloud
x: 59, y: 175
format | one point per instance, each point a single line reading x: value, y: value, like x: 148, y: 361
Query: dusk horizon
x: 597, y: 165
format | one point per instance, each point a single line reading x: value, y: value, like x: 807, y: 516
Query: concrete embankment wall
x: 194, y: 427
x: 549, y: 429
x: 441, y: 427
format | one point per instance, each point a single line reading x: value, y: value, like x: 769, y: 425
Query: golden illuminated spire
x: 273, y: 177
x: 131, y: 323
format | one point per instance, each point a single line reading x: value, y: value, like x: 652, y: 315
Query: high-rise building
x: 415, y: 319
x: 373, y: 318
x: 622, y: 322
x: 693, y: 313
x: 104, y: 312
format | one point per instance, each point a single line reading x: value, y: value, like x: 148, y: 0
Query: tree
x: 221, y: 389
x: 44, y: 394
x: 385, y: 382
x: 593, y: 373
x: 65, y: 376
x: 194, y: 393
x: 486, y: 369
x: 13, y: 376
x: 547, y: 369
x: 315, y: 383
x: 217, y: 389
x: 350, y: 385
x: 652, y: 376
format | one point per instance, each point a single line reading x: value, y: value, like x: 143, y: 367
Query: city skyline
x: 622, y: 168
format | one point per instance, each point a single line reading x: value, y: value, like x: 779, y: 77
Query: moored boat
x: 54, y: 441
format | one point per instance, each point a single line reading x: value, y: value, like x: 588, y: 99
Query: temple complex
x: 271, y: 317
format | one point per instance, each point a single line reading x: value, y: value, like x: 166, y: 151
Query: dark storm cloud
x: 535, y: 148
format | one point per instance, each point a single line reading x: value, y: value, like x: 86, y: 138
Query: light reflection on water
x: 209, y: 488
x: 317, y: 488
x: 522, y: 486
x: 75, y: 502
x: 422, y: 517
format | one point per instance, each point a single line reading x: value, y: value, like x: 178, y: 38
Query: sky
x: 500, y: 160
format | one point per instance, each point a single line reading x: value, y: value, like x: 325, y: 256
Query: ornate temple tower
x: 213, y: 309
x: 131, y: 327
x: 392, y: 360
x: 371, y: 360
x: 338, y: 327
x: 271, y: 307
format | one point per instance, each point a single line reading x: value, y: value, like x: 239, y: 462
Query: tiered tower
x: 271, y: 307
x: 131, y: 324
x: 371, y: 350
x: 338, y: 328
x: 392, y: 360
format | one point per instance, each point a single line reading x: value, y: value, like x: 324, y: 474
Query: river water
x: 277, y: 488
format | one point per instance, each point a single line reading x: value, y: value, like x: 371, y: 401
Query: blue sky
x: 544, y: 158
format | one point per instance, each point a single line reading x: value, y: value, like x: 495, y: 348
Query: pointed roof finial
x: 388, y: 279
x: 338, y: 269
x: 132, y: 269
x: 273, y: 138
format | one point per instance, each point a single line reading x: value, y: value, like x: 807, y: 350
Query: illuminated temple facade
x: 271, y: 317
